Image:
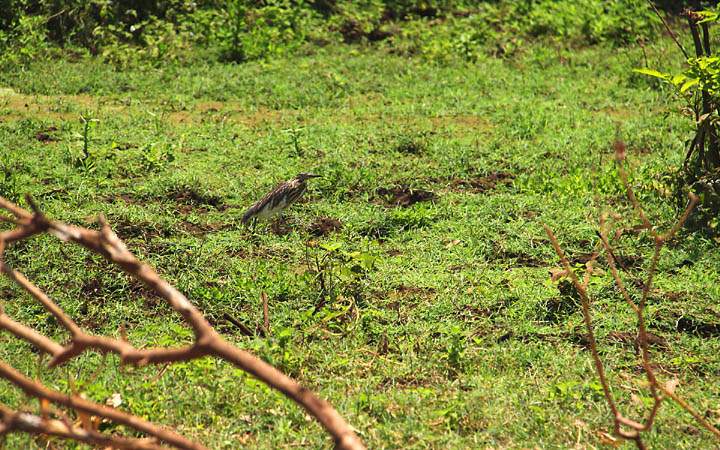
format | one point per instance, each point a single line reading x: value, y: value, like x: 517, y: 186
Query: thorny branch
x: 207, y: 343
x: 624, y: 427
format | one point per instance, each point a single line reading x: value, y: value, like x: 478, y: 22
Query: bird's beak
x: 312, y: 175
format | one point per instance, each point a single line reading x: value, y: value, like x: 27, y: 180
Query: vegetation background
x: 411, y: 288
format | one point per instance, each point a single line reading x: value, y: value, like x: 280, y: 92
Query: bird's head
x: 306, y: 176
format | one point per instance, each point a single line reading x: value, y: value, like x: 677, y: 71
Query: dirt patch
x: 126, y: 229
x: 524, y: 260
x: 404, y: 196
x: 482, y: 184
x: 582, y: 258
x: 45, y: 136
x: 125, y: 198
x: 16, y: 106
x: 697, y: 327
x: 475, y: 312
x: 404, y: 291
x: 476, y: 122
x: 129, y: 199
x: 233, y: 113
x: 91, y: 287
x: 626, y: 262
x: 353, y: 32
x: 377, y: 230
x: 324, y: 226
x: 519, y: 259
x: 210, y: 106
x: 627, y: 338
x: 189, y: 199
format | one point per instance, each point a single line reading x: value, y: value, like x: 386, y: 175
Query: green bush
x: 24, y: 41
x: 239, y: 30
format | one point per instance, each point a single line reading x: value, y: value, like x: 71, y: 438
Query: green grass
x: 454, y: 337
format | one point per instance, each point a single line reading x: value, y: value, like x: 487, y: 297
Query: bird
x: 284, y: 195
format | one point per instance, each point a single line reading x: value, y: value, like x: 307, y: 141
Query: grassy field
x: 443, y: 329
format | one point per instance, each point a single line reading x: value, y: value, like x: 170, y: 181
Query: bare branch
x: 585, y: 301
x: 266, y: 313
x: 668, y: 29
x: 624, y: 427
x: 15, y: 421
x: 34, y: 389
x: 207, y: 341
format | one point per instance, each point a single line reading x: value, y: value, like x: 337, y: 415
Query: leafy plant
x: 86, y: 160
x: 335, y: 272
x: 24, y: 41
x: 698, y: 86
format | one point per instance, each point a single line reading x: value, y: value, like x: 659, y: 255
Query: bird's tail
x: 246, y: 217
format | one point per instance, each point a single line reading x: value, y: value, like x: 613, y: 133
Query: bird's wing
x: 272, y: 198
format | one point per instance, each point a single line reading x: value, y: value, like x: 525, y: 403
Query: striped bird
x: 278, y: 199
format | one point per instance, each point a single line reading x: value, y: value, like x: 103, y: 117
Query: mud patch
x: 524, y: 260
x: 45, y: 137
x: 482, y: 184
x: 697, y: 327
x: 627, y: 338
x: 408, y: 292
x: 404, y: 196
x: 324, y: 226
x: 127, y: 229
x: 189, y: 199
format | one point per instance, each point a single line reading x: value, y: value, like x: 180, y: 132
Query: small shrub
x: 23, y: 42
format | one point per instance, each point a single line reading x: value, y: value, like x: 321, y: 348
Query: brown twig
x: 669, y: 30
x: 266, y: 313
x: 17, y: 421
x: 239, y: 325
x: 624, y: 427
x: 207, y: 341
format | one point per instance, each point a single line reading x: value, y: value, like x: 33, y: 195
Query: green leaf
x: 331, y: 246
x: 653, y: 73
x: 677, y: 79
x: 708, y: 16
x: 688, y: 84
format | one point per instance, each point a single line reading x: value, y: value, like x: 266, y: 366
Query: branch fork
x: 208, y: 342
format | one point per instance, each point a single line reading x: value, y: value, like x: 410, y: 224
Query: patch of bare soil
x: 45, y: 136
x: 324, y: 226
x: 200, y: 229
x: 404, y: 196
x: 16, y: 106
x: 698, y: 327
x: 280, y: 228
x: 521, y: 259
x: 188, y: 200
x: 231, y: 112
x: 482, y: 184
x: 476, y: 122
x: 627, y: 338
x: 126, y: 229
x: 409, y: 292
